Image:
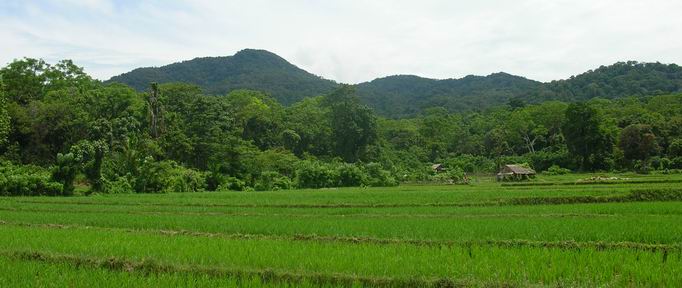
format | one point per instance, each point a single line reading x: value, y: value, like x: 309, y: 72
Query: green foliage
x: 353, y: 125
x: 452, y: 175
x: 557, y: 155
x: 65, y: 171
x: 586, y: 136
x: 315, y: 174
x: 27, y: 180
x: 232, y: 183
x: 91, y: 156
x: 660, y: 163
x: 271, y: 180
x: 29, y: 79
x: 638, y: 142
x: 120, y: 185
x: 676, y: 163
x: 471, y: 164
x: 675, y: 148
x: 556, y: 170
x: 167, y: 176
x: 377, y: 176
x: 350, y: 175
x: 105, y: 135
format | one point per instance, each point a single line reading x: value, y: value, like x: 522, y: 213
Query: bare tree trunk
x: 156, y: 125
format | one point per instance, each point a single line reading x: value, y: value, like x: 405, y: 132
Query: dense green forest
x: 407, y: 95
x: 61, y: 131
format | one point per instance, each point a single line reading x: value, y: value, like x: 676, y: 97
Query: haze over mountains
x: 407, y: 95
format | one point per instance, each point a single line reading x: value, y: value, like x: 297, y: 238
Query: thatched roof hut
x: 515, y: 173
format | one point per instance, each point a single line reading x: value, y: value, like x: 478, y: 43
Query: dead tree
x: 155, y: 109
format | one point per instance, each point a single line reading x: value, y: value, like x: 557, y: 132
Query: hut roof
x: 517, y: 169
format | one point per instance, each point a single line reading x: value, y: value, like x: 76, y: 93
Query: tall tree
x: 25, y: 80
x: 30, y: 79
x: 585, y: 136
x: 638, y: 142
x: 523, y: 126
x: 258, y: 117
x: 309, y: 120
x: 353, y: 125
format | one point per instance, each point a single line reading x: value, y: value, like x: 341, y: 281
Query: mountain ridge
x: 407, y: 95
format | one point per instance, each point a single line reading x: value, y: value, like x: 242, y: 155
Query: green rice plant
x: 585, y: 222
x: 483, y: 234
x: 15, y: 272
x: 475, y: 264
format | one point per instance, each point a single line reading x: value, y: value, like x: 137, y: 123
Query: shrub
x: 167, y: 176
x: 556, y: 170
x: 423, y: 174
x: 350, y: 175
x: 675, y: 148
x: 280, y: 161
x: 65, y: 171
x: 546, y: 158
x: 315, y: 174
x: 660, y: 163
x: 27, y: 180
x: 120, y: 185
x: 378, y: 177
x: 233, y: 184
x: 214, y: 180
x: 642, y: 166
x: 452, y: 176
x: 471, y: 164
x: 676, y: 163
x: 271, y: 180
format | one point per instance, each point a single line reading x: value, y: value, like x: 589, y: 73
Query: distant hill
x: 248, y: 69
x: 615, y: 81
x: 405, y: 95
x: 408, y: 95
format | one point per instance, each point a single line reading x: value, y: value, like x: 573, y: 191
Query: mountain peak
x: 247, y: 69
x: 250, y: 52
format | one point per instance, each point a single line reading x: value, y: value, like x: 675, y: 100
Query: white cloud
x: 350, y: 41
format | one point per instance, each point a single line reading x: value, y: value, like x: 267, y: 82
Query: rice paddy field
x: 555, y: 231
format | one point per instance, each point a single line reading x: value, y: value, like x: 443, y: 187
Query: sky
x: 349, y: 41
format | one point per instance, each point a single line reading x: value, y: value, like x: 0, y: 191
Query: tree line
x: 61, y: 131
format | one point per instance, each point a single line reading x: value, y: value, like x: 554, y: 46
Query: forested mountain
x: 408, y: 95
x: 248, y: 69
x: 616, y: 81
x: 403, y: 95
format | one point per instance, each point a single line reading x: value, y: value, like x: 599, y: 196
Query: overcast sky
x: 349, y: 41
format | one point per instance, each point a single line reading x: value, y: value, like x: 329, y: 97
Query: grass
x: 484, y: 234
